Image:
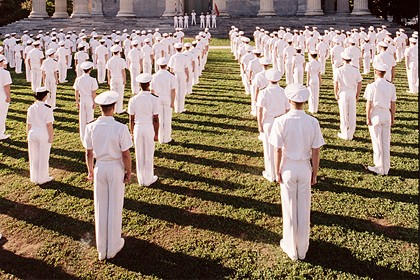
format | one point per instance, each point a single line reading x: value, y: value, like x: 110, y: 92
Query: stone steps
x: 247, y: 24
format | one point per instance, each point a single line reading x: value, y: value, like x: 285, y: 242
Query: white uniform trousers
x: 86, y: 114
x: 202, y: 23
x: 298, y: 75
x: 280, y: 66
x: 108, y: 186
x: 213, y: 24
x: 165, y: 121
x: 413, y: 77
x: 18, y: 65
x: 296, y: 207
x: 135, y: 87
x: 79, y: 71
x: 193, y: 21
x: 50, y: 84
x: 39, y: 154
x: 147, y: 66
x: 94, y: 59
x: 313, y: 100
x: 28, y: 72
x: 180, y: 92
x: 253, y: 101
x: 190, y: 81
x: 36, y: 78
x: 366, y: 65
x: 400, y: 54
x: 145, y: 148
x: 12, y: 59
x: 347, y: 107
x: 118, y: 86
x: 4, y: 107
x: 62, y: 71
x: 380, y: 133
x: 289, y: 72
x: 269, y: 172
x: 322, y: 60
x: 69, y: 59
x: 101, y: 71
x: 247, y: 86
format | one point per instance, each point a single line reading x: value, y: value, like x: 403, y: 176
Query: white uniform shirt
x: 296, y: 133
x: 49, y: 66
x: 81, y: 56
x: 412, y: 53
x: 116, y: 65
x: 387, y: 59
x: 5, y: 79
x: 178, y: 62
x: 260, y: 80
x: 347, y: 77
x: 162, y: 84
x: 288, y: 54
x: 108, y: 138
x: 134, y: 56
x: 61, y: 54
x: 314, y: 68
x: 101, y: 51
x: 273, y: 101
x: 147, y: 52
x: 39, y: 114
x: 17, y: 49
x: 85, y: 84
x: 143, y: 106
x: 380, y: 93
x: 254, y: 66
x: 35, y: 55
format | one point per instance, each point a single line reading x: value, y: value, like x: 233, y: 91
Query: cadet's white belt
x: 110, y: 161
x: 380, y: 109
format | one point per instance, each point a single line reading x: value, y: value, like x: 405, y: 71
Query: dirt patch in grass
x: 383, y: 225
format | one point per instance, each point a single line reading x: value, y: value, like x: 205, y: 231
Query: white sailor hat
x: 144, y: 78
x: 135, y: 42
x: 371, y: 28
x: 143, y: 32
x: 118, y: 32
x: 137, y: 32
x: 29, y: 42
x: 265, y: 61
x: 156, y: 29
x: 320, y: 38
x: 61, y: 30
x: 245, y: 39
x: 68, y: 36
x: 41, y: 90
x: 147, y: 40
x: 2, y: 57
x: 352, y: 41
x: 314, y: 28
x: 178, y: 46
x: 289, y: 40
x: 165, y: 34
x: 115, y: 48
x: 416, y: 32
x: 257, y: 51
x: 116, y: 41
x: 25, y: 31
x: 281, y: 28
x: 249, y: 48
x: 287, y: 29
x: 257, y: 27
x: 273, y: 75
x: 102, y: 41
x: 266, y: 32
x: 383, y: 26
x: 297, y: 92
x: 414, y: 36
x: 162, y: 61
x: 36, y: 43
x: 335, y: 40
x: 306, y: 27
x: 206, y: 29
x: 193, y: 42
x: 362, y: 28
x: 377, y: 65
x: 187, y: 45
x: 107, y: 98
x: 7, y: 35
x: 313, y: 52
x: 383, y: 44
x: 346, y: 55
x: 83, y: 30
x: 50, y: 52
x: 401, y: 29
x: 241, y: 32
x: 86, y: 65
x: 40, y: 31
x: 54, y: 29
x: 413, y: 40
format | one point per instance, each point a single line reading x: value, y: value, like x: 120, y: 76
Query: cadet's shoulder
x: 47, y: 105
x: 154, y: 95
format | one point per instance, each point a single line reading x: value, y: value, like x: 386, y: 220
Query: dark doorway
x: 200, y: 6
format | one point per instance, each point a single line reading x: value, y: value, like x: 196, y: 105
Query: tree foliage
x: 396, y: 8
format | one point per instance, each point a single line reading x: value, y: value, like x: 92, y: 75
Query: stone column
x: 169, y: 8
x: 80, y: 9
x: 221, y: 5
x: 266, y: 8
x: 60, y: 9
x: 343, y: 7
x: 360, y: 8
x: 329, y: 6
x: 39, y: 9
x: 313, y: 8
x: 126, y: 9
x: 97, y: 8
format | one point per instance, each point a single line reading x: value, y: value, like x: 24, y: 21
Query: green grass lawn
x: 212, y: 214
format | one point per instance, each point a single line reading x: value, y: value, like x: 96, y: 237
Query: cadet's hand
x: 7, y: 99
x: 279, y: 179
x: 93, y: 106
x: 127, y: 177
x: 337, y: 97
x: 89, y: 176
x: 172, y: 105
x: 313, y: 180
x: 50, y: 140
x: 369, y: 122
x: 156, y: 137
x: 77, y: 105
x: 392, y: 122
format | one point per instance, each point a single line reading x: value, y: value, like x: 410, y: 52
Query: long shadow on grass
x: 226, y: 126
x: 243, y: 168
x: 223, y: 100
x: 28, y: 268
x: 219, y: 116
x: 328, y: 255
x: 218, y: 149
x: 329, y: 185
x: 185, y: 129
x: 150, y: 259
x: 365, y: 150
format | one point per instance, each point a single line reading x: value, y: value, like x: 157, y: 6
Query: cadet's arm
x: 156, y: 126
x: 131, y: 123
x: 336, y: 90
x: 172, y: 97
x: 187, y: 73
x: 76, y: 96
x: 368, y: 112
x: 93, y: 98
x: 359, y: 88
x: 277, y: 163
x: 124, y: 76
x: 126, y: 157
x: 260, y: 119
x: 392, y: 74
x: 50, y: 132
x: 393, y: 111
x: 7, y: 91
x: 89, y: 163
x: 315, y: 165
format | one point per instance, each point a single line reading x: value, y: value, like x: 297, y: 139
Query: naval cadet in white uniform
x: 85, y: 88
x: 297, y: 140
x: 116, y: 75
x: 39, y: 127
x: 164, y: 85
x: 5, y: 82
x: 178, y: 63
x: 144, y: 125
x: 109, y: 142
x: 380, y: 116
x: 49, y: 68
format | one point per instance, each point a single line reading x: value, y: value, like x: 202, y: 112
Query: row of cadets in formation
x: 141, y: 50
x: 290, y: 138
x: 208, y: 20
x: 346, y: 76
